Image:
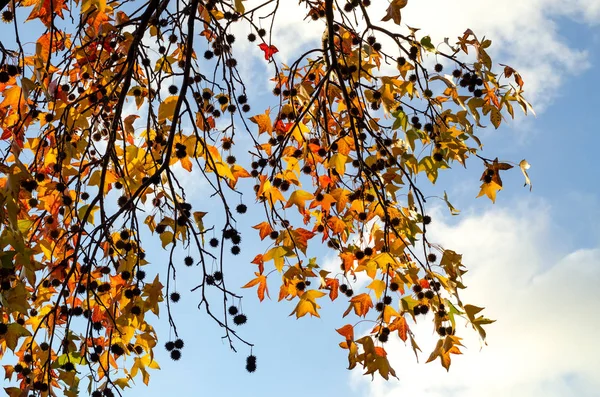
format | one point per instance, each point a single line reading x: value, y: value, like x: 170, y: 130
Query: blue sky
x: 534, y: 256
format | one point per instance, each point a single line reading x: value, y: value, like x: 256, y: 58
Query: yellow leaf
x: 378, y: 286
x: 122, y: 383
x: 490, y: 190
x: 166, y: 109
x: 298, y: 198
x: 166, y: 238
x: 277, y: 254
x: 15, y: 331
x: 338, y: 162
x: 308, y: 304
x: 298, y: 132
x: 154, y: 293
x: 239, y: 6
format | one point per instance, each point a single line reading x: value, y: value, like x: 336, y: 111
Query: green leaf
x: 15, y: 331
x: 426, y: 43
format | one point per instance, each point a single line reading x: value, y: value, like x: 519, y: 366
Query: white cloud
x: 544, y: 340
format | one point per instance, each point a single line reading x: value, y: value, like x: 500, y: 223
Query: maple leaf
x: 308, y: 304
x: 46, y: 9
x: 154, y: 293
x: 399, y: 324
x: 298, y: 198
x: 347, y: 331
x: 393, y: 11
x: 333, y: 285
x: 477, y: 322
x: 277, y: 254
x: 489, y: 189
x: 263, y: 121
x: 361, y: 304
x: 261, y: 281
x: 269, y: 50
x: 378, y: 286
x: 298, y: 238
x: 264, y: 229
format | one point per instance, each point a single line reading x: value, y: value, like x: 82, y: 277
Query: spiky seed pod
x: 240, y: 319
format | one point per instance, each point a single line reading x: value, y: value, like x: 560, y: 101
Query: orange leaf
x: 263, y: 121
x: 333, y: 285
x: 348, y: 260
x: 45, y: 10
x: 264, y: 229
x: 261, y: 281
x: 399, y: 324
x: 380, y: 351
x: 258, y: 260
x: 361, y: 305
x: 186, y: 163
x: 347, y: 331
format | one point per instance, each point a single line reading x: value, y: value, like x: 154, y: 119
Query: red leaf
x: 269, y: 50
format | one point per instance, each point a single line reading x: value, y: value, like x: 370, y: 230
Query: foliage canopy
x: 358, y: 125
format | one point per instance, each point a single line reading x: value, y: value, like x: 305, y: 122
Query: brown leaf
x: 393, y: 11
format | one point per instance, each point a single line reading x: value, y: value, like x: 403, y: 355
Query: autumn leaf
x: 361, y: 304
x: 347, y: 331
x: 308, y: 304
x: 263, y: 121
x: 11, y: 337
x: 166, y: 109
x: 378, y: 286
x: 524, y: 165
x: 333, y: 285
x: 269, y: 50
x: 276, y: 254
x: 393, y: 11
x: 298, y: 198
x: 261, y: 281
x: 399, y: 324
x: 264, y: 229
x: 477, y: 322
x: 489, y: 189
